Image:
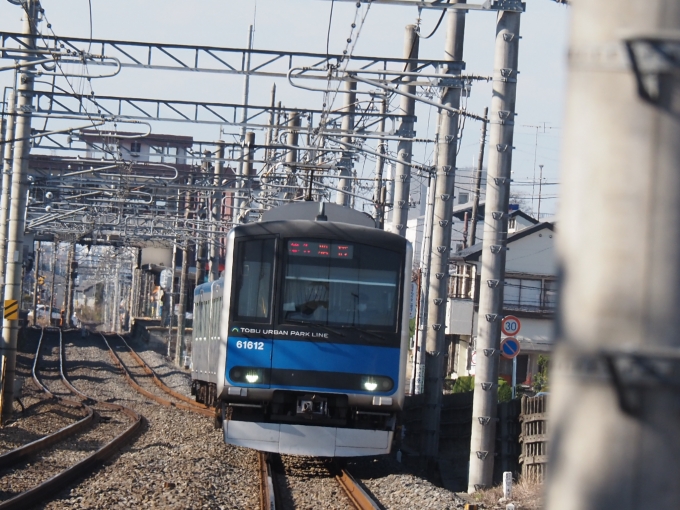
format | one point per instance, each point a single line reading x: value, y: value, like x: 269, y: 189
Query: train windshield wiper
x: 317, y: 325
x: 365, y: 332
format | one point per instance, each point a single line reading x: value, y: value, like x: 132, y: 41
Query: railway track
x: 79, y: 436
x: 288, y: 484
x: 270, y: 494
x: 138, y: 371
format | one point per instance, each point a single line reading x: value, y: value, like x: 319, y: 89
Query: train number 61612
x: 258, y: 346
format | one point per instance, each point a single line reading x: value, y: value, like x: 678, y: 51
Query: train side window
x: 255, y: 271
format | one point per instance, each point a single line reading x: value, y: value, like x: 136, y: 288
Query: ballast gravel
x: 179, y: 461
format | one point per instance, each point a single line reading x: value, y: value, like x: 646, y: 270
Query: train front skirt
x: 307, y: 439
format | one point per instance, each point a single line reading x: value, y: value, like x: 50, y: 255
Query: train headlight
x: 370, y: 384
x: 376, y: 383
x: 249, y: 375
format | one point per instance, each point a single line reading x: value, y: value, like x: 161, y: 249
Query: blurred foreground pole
x: 615, y: 409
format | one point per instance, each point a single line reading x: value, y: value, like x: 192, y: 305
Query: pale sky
x: 301, y: 25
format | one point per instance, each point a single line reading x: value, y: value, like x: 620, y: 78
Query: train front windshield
x: 340, y: 284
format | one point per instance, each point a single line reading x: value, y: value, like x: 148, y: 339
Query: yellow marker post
x: 11, y: 309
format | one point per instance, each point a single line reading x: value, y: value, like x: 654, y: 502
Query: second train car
x: 302, y: 344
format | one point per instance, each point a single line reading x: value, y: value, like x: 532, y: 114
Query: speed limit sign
x: 510, y: 325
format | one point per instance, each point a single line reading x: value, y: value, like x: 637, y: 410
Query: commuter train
x: 302, y: 344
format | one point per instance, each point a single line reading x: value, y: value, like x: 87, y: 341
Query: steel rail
x: 358, y: 496
x: 85, y: 466
x: 157, y: 381
x: 16, y: 455
x: 268, y: 494
x: 148, y: 394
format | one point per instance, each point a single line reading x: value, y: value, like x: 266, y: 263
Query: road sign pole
x: 514, y: 375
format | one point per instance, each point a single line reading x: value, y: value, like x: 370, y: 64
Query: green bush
x: 540, y: 381
x: 467, y: 383
x: 464, y: 383
x: 504, y: 391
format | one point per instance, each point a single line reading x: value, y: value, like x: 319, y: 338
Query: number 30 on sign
x: 510, y: 325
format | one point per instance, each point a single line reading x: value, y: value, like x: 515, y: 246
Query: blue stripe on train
x: 308, y: 355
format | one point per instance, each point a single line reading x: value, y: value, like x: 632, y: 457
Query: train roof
x: 207, y: 286
x: 324, y: 230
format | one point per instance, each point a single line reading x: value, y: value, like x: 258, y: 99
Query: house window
x: 512, y: 224
x: 135, y: 147
x: 463, y: 198
x: 532, y: 295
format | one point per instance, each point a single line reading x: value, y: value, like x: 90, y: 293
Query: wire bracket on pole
x: 506, y: 76
x: 499, y: 181
x: 436, y: 327
x: 446, y: 169
x: 489, y: 352
x: 491, y: 317
x: 438, y: 301
x: 441, y: 249
x: 484, y: 420
x: 497, y: 215
x: 482, y: 455
x: 496, y: 248
x: 486, y: 386
x: 493, y: 283
x: 439, y: 276
x: 445, y: 197
x: 502, y: 147
x: 443, y: 223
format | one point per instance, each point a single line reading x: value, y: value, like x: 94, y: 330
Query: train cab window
x: 342, y: 284
x: 254, y: 275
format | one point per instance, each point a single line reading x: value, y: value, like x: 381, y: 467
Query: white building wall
x: 533, y: 254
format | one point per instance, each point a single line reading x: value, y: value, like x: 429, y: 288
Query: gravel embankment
x: 398, y: 487
x: 179, y: 461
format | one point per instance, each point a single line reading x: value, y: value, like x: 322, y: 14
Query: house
x: 529, y: 294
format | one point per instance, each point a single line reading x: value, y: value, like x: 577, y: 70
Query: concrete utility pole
x: 269, y: 138
x: 478, y: 181
x: 215, y: 216
x: 36, y: 286
x: 245, y: 67
x: 379, y: 195
x: 614, y: 405
x: 425, y: 261
x: 6, y: 180
x: 291, y: 154
x: 482, y: 444
x: 402, y: 173
x: 16, y: 223
x: 247, y: 182
x: 53, y: 302
x: 70, y: 283
x: 438, y: 281
x: 181, y: 308
x: 115, y: 316
x: 202, y: 256
x: 347, y: 127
